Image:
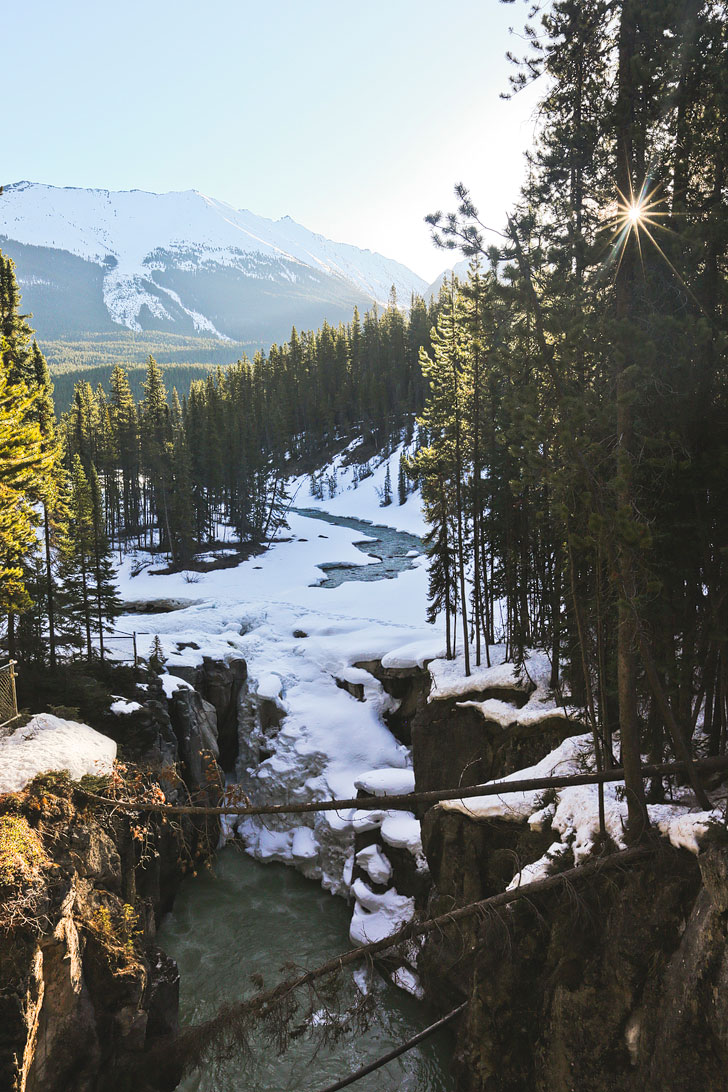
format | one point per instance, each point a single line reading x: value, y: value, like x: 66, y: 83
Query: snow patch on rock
x: 377, y: 917
x: 375, y: 864
x: 48, y: 743
x: 386, y: 782
x: 122, y: 707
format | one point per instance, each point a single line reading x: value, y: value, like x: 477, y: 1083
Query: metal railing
x: 8, y: 696
x: 129, y: 638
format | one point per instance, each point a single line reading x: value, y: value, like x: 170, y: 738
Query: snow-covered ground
x: 49, y: 743
x: 361, y: 499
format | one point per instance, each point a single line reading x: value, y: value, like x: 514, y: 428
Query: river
x: 245, y: 918
x: 393, y: 550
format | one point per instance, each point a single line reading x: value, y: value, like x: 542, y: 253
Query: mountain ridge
x: 95, y: 260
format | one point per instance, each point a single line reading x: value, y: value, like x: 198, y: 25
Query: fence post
x: 8, y: 695
x: 136, y: 658
x: 11, y: 666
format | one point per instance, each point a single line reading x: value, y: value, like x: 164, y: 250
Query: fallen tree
x: 404, y: 801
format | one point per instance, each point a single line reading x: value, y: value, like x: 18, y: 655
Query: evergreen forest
x: 575, y: 479
x: 572, y: 396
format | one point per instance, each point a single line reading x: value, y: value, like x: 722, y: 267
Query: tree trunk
x: 638, y: 820
x: 50, y: 591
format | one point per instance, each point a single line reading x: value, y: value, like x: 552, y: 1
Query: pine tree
x: 386, y: 490
x: 157, y: 659
x: 78, y: 561
x: 125, y: 427
x: 401, y: 481
x: 156, y: 435
x: 24, y: 462
x: 103, y: 587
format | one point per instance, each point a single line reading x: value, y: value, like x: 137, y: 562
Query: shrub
x: 21, y: 851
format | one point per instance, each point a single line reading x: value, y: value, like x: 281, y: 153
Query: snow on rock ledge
x: 375, y: 864
x: 121, y: 707
x: 402, y: 830
x: 573, y: 813
x: 172, y: 683
x: 48, y: 743
x: 377, y: 917
x: 386, y: 782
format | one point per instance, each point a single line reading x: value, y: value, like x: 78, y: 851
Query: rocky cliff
x: 85, y: 993
x: 83, y: 985
x: 615, y: 985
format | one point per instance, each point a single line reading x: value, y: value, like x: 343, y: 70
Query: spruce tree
x: 103, y: 586
x: 401, y: 480
x: 386, y: 490
x: 78, y: 561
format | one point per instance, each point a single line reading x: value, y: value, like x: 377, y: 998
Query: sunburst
x: 641, y: 215
x: 636, y: 214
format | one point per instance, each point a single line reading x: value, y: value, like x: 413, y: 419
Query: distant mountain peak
x: 181, y: 261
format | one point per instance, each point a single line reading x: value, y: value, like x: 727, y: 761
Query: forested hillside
x: 163, y: 472
x: 174, y: 469
x: 92, y: 358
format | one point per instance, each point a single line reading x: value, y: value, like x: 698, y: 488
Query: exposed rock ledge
x: 616, y: 985
x: 85, y: 993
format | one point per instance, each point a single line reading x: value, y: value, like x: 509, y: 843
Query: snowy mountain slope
x: 460, y: 269
x: 182, y: 262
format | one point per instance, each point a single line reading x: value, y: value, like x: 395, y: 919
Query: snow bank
x: 375, y: 864
x: 415, y: 654
x: 171, y: 683
x: 685, y: 830
x: 377, y: 917
x: 402, y: 830
x: 362, y: 499
x: 122, y: 707
x: 48, y: 743
x: 269, y: 687
x: 573, y: 813
x: 450, y: 681
x: 540, y: 869
x: 386, y: 782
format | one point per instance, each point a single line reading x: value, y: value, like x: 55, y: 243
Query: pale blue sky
x: 356, y: 120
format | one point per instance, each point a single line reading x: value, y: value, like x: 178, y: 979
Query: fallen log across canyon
x: 404, y: 801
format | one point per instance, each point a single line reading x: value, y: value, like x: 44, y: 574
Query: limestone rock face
x: 221, y: 684
x: 224, y: 687
x: 471, y: 858
x: 80, y: 1006
x: 85, y: 994
x: 454, y: 744
x: 616, y: 986
x: 195, y: 724
x: 408, y: 686
x: 158, y: 741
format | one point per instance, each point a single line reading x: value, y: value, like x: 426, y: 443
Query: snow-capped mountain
x: 460, y: 269
x: 98, y: 260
